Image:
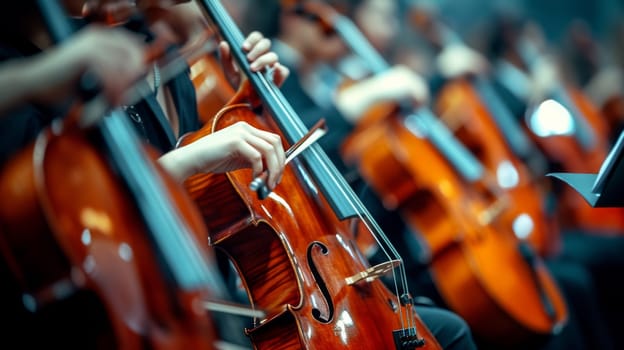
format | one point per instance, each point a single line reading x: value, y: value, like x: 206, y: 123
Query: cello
x: 293, y: 249
x: 211, y: 86
x: 113, y: 224
x: 417, y: 167
x: 568, y: 129
x: 470, y: 106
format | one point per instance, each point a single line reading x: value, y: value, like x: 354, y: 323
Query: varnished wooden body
x: 463, y: 110
x: 64, y: 202
x: 566, y: 151
x: 278, y: 243
x: 212, y: 89
x: 476, y: 263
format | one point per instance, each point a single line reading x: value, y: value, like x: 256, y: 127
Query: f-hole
x: 316, y: 313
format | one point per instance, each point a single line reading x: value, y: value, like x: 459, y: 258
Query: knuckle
x: 253, y: 37
x: 255, y: 158
x: 242, y: 125
x: 275, y: 139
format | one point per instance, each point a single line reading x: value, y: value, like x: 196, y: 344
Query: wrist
x: 176, y: 164
x: 52, y: 75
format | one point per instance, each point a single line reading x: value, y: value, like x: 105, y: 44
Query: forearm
x: 355, y: 100
x: 16, y: 82
x: 43, y: 77
x: 178, y: 163
x: 395, y: 85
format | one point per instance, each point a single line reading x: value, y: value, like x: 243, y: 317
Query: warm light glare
x: 551, y: 118
x: 507, y: 175
x: 523, y: 226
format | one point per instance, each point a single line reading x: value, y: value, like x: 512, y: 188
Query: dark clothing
x: 450, y: 330
x: 602, y: 256
x: 310, y: 113
x: 586, y: 327
x: 151, y: 123
x: 20, y: 126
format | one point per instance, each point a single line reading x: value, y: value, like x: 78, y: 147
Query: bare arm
x: 237, y: 146
x: 396, y: 84
x: 114, y: 55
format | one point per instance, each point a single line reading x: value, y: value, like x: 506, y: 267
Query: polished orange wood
x: 478, y: 265
x: 70, y: 224
x: 293, y: 255
x: 212, y: 88
x: 466, y: 113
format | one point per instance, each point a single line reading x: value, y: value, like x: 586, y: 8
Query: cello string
x: 387, y: 247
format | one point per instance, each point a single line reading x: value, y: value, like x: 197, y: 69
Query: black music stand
x: 605, y: 189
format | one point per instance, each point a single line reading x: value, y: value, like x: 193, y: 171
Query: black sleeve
x: 310, y: 113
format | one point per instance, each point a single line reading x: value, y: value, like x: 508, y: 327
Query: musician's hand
x: 114, y: 56
x: 235, y: 147
x: 259, y: 57
x: 398, y: 84
x: 171, y: 21
x: 459, y: 60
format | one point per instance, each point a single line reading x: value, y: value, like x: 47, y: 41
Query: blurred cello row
x: 478, y: 177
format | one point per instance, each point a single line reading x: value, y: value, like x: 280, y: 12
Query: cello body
x: 293, y: 256
x: 571, y: 155
x: 476, y: 114
x: 212, y: 89
x: 478, y: 266
x: 293, y: 249
x: 466, y: 112
x: 72, y: 211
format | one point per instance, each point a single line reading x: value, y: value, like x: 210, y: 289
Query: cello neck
x: 55, y: 20
x: 359, y: 45
x: 442, y: 37
x: 321, y: 168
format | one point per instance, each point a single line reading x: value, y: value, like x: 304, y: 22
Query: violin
x: 293, y: 249
x: 416, y: 166
x: 113, y: 224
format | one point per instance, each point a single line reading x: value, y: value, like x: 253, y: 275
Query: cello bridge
x: 373, y: 272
